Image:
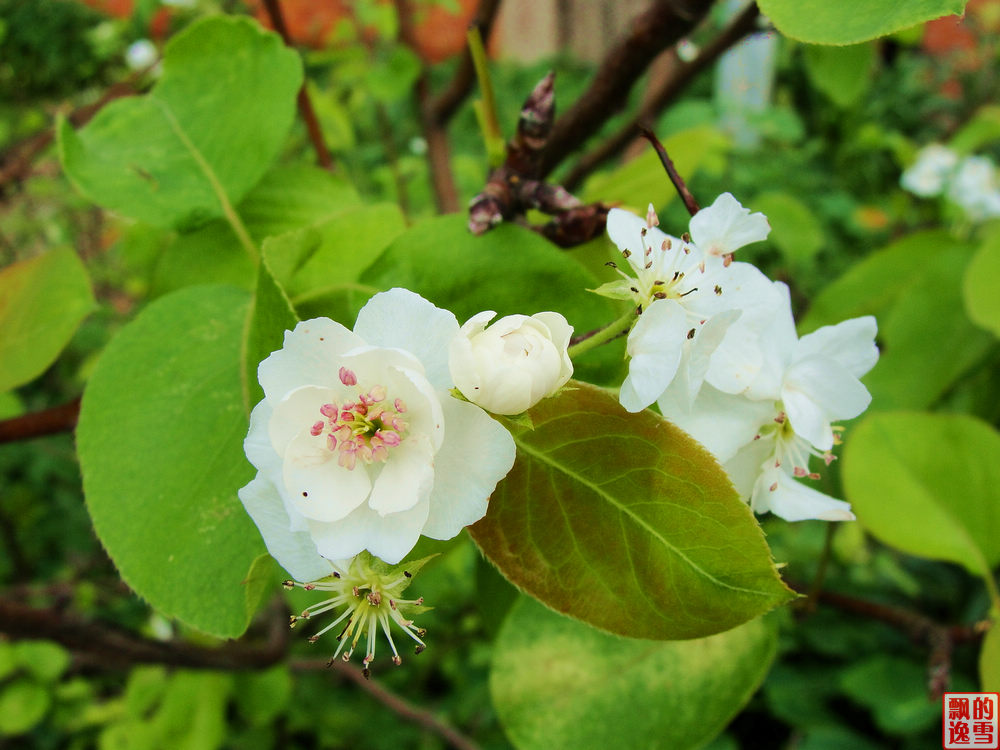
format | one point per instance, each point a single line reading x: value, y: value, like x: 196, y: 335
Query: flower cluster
x: 970, y: 182
x: 715, y: 347
x: 360, y: 446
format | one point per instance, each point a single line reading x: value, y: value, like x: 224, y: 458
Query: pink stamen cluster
x: 362, y: 430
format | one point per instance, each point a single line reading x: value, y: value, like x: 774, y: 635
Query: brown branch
x: 443, y: 107
x: 60, y: 418
x: 664, y: 95
x: 16, y: 162
x: 398, y: 705
x: 107, y: 646
x: 660, y: 27
x: 679, y: 185
x: 438, y: 151
x: 941, y: 639
x: 306, y: 110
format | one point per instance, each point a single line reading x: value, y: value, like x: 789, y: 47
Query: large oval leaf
x: 42, y: 301
x: 557, y: 683
x: 979, y: 287
x: 927, y: 484
x: 188, y: 151
x: 623, y: 521
x: 160, y: 445
x: 851, y: 21
x: 914, y: 288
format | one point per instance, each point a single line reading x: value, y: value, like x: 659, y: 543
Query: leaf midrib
x: 611, y: 500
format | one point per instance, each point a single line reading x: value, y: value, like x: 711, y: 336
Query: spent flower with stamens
x: 367, y: 596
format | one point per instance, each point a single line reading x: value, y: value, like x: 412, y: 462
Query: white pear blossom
x: 975, y: 188
x: 765, y: 436
x: 690, y: 301
x: 513, y: 364
x: 930, y: 173
x: 725, y: 227
x: 358, y: 444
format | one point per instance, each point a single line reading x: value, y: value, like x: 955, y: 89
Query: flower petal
x: 318, y: 486
x: 817, y: 391
x: 404, y: 320
x: 298, y: 411
x: 294, y: 550
x: 654, y: 344
x: 309, y: 356
x: 476, y: 454
x: 721, y: 422
x: 407, y: 477
x: 794, y: 501
x: 726, y: 226
x: 390, y: 538
x: 851, y: 344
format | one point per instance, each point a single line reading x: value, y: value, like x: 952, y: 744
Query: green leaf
x: 842, y: 73
x: 623, y: 521
x: 979, y: 288
x: 895, y: 690
x: 642, y: 180
x: 392, y: 78
x: 160, y: 445
x: 324, y: 261
x: 989, y: 661
x: 509, y: 269
x: 42, y: 302
x: 262, y: 696
x: 926, y: 484
x: 795, y: 230
x: 188, y: 151
x: 851, y: 21
x: 914, y: 288
x: 557, y: 683
x: 23, y: 703
x: 270, y: 315
x: 982, y: 129
x: 286, y: 198
x: 43, y: 659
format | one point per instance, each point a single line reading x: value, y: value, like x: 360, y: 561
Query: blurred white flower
x: 141, y: 54
x: 513, y: 364
x: 975, y: 188
x: 931, y: 171
x: 358, y: 444
x: 765, y: 436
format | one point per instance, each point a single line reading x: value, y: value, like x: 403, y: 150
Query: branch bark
x: 105, y: 646
x: 940, y: 639
x: 398, y: 705
x: 306, y: 110
x: 665, y: 23
x: 438, y: 151
x: 665, y: 94
x: 47, y: 422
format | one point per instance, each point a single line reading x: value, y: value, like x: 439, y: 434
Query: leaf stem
x: 603, y: 335
x: 486, y: 108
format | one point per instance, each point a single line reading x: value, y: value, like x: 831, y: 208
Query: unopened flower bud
x: 515, y: 363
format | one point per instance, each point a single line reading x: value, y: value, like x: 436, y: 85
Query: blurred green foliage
x: 826, y: 172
